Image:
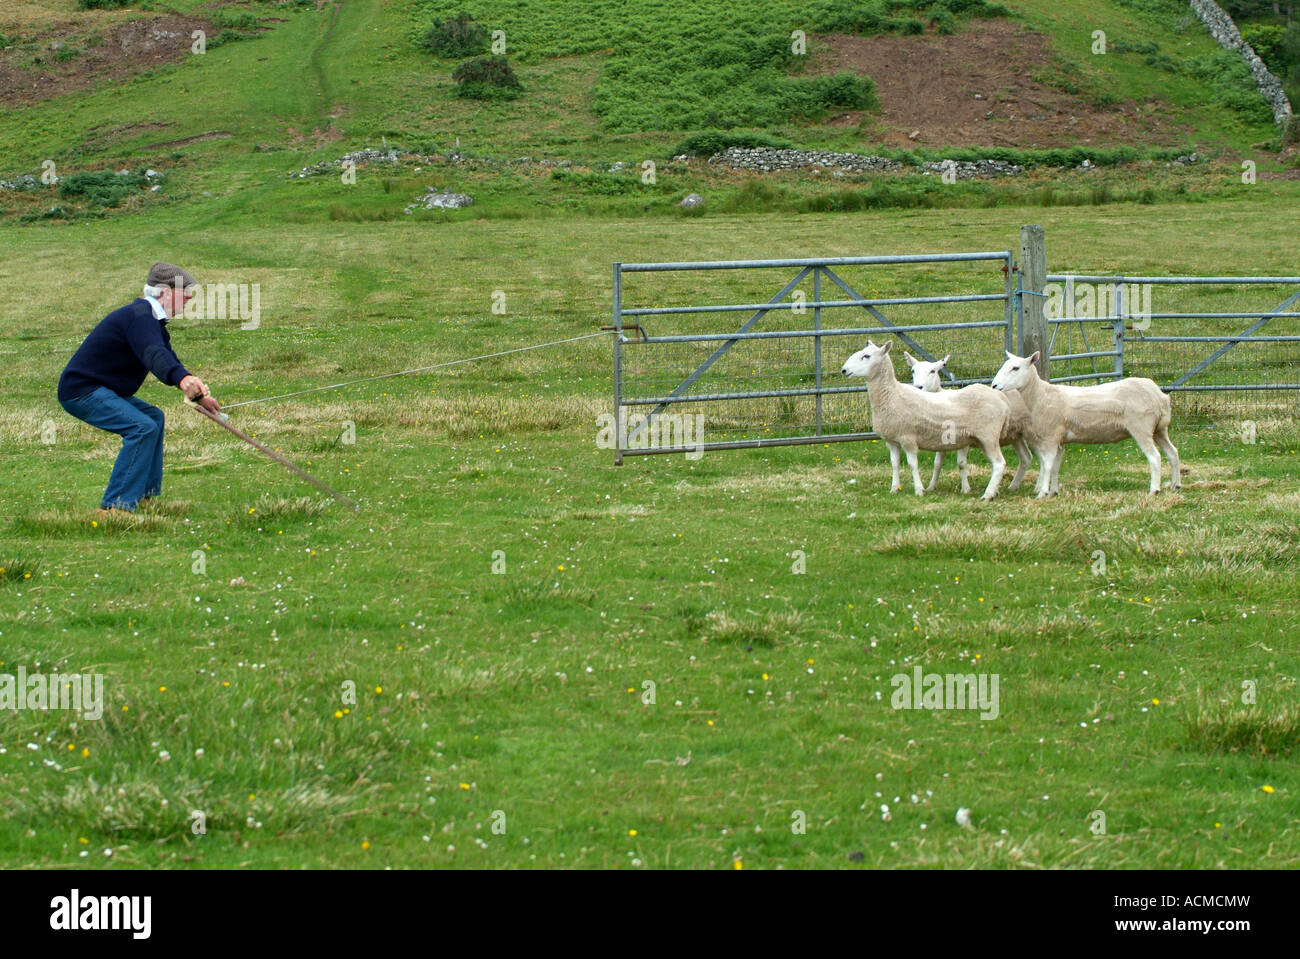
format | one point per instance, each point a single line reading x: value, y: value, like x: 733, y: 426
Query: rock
x: 25, y: 182
x: 914, y: 134
x: 1188, y: 159
x: 434, y: 199
x: 691, y: 201
x: 618, y: 167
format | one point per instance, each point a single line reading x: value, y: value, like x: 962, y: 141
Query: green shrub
x: 1267, y: 39
x: 1162, y: 61
x: 101, y: 188
x: 1233, y: 84
x: 59, y: 212
x: 103, y: 4
x: 1289, y: 52
x: 707, y: 143
x: 243, y: 20
x: 456, y: 37
x: 1169, y: 8
x: 772, y: 50
x: 487, y: 78
x: 824, y: 94
x: 598, y: 184
x: 847, y: 16
x: 225, y: 36
x: 973, y: 8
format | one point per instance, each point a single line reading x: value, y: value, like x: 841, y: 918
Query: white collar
x: 158, y: 312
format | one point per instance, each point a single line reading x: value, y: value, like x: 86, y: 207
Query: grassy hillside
x: 303, y: 85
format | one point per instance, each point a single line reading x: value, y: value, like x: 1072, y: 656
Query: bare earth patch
x: 126, y: 50
x: 928, y: 85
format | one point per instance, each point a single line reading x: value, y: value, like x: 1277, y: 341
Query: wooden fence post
x: 1035, y: 330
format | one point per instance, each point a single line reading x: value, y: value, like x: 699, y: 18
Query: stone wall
x: 1226, y: 33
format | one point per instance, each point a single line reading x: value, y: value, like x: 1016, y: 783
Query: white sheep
x: 925, y: 377
x: 910, y: 419
x: 1060, y: 414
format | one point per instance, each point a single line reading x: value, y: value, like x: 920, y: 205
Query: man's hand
x: 197, y: 392
x: 193, y: 387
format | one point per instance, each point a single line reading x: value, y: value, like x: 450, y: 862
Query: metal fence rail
x: 1171, y: 329
x: 758, y: 387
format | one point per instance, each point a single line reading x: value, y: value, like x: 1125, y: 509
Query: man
x: 99, y: 383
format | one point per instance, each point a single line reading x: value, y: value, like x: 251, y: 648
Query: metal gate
x: 1200, y: 354
x: 761, y: 383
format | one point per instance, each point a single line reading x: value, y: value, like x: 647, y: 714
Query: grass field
x: 516, y: 697
x: 520, y: 655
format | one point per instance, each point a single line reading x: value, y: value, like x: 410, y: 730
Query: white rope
x: 422, y: 369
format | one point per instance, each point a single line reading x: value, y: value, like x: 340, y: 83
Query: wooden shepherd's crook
x: 273, y: 454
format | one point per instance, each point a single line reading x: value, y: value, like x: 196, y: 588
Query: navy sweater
x: 120, y: 352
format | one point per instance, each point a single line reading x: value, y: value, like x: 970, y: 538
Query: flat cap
x: 169, y: 274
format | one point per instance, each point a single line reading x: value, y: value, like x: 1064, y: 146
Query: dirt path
x: 976, y: 88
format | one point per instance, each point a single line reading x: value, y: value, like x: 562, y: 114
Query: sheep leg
x: 1162, y: 437
x: 994, y: 452
x: 1056, y: 469
x: 895, y: 486
x: 961, y: 468
x: 1046, y: 459
x: 1022, y: 455
x: 938, y: 464
x: 916, y: 473
x: 1148, y: 448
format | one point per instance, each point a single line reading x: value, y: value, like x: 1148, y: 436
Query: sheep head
x: 1015, y: 372
x: 925, y: 376
x: 863, y: 362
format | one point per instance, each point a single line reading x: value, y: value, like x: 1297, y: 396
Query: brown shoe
x: 111, y: 513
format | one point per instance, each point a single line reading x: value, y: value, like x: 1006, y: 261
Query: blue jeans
x: 138, y: 470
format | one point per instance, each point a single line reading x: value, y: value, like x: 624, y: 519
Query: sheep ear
x: 911, y: 360
x: 1033, y: 360
x: 888, y: 344
x: 943, y: 363
x: 1010, y: 355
